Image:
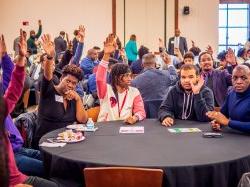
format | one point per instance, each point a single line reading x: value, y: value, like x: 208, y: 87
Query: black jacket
x: 181, y: 105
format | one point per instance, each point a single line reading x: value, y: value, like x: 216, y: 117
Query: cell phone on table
x: 212, y: 135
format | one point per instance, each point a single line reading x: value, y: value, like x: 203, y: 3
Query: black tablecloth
x: 188, y: 159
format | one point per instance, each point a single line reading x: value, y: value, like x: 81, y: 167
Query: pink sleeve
x: 101, y: 77
x: 15, y: 88
x: 138, y: 108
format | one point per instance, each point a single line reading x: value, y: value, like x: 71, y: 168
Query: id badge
x: 59, y: 98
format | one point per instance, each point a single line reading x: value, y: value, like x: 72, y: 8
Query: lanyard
x: 123, y: 102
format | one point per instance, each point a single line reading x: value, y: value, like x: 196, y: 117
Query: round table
x: 188, y: 159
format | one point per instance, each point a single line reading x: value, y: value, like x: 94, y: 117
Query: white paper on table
x: 47, y: 144
x: 131, y: 130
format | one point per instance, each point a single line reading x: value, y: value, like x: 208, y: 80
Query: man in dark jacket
x: 60, y: 43
x: 189, y: 99
x: 217, y: 80
x: 177, y: 42
x: 235, y: 113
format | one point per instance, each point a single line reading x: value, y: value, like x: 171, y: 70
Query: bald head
x: 241, y: 78
x: 92, y: 54
x: 149, y: 60
x: 242, y: 68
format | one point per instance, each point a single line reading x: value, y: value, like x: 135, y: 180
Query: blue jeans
x: 29, y: 162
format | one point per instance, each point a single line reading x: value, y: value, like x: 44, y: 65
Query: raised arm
x: 49, y: 48
x: 203, y: 102
x: 6, y: 63
x: 15, y: 88
x: 79, y: 49
x: 101, y: 74
x: 39, y: 29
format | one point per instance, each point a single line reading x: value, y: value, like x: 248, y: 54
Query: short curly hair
x: 73, y: 70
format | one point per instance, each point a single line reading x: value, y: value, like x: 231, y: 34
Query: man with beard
x: 235, y: 112
x: 217, y: 80
x: 189, y: 99
x: 31, y: 42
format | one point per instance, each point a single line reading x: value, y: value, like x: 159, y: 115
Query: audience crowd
x: 188, y: 84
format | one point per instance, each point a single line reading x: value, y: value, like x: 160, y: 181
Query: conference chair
x: 122, y: 177
x: 152, y: 108
x: 93, y: 113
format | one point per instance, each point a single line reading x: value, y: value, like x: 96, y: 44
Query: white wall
x: 57, y: 15
x: 145, y: 18
x: 201, y: 25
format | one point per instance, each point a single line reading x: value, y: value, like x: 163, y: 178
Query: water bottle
x: 90, y: 124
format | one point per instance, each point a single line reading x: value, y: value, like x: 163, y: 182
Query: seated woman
x: 7, y: 103
x: 235, y: 112
x: 118, y: 101
x: 67, y: 104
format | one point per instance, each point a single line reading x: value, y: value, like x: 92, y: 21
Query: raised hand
x: 3, y: 49
x: 81, y: 34
x: 193, y: 44
x: 210, y: 50
x: 67, y: 38
x: 166, y: 58
x: 21, y: 60
x: 110, y: 44
x: 22, y: 45
x: 161, y: 43
x: 230, y: 57
x: 39, y: 22
x: 177, y: 52
x: 197, y: 87
x: 48, y: 45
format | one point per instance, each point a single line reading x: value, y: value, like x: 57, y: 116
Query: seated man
x: 154, y: 83
x: 217, y: 80
x: 189, y: 99
x: 118, y: 101
x: 89, y: 62
x: 235, y: 112
x: 67, y: 104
